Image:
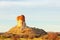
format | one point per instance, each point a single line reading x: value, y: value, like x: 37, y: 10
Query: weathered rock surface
x: 23, y: 30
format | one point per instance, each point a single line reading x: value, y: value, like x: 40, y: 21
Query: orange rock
x: 21, y: 21
x: 23, y: 30
x: 22, y: 17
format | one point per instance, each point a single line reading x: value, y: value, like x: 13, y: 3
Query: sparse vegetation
x: 48, y: 36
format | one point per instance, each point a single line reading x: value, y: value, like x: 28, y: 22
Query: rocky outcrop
x: 23, y: 30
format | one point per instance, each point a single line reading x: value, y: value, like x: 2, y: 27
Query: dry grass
x: 44, y: 37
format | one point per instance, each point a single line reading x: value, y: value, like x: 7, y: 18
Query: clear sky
x: 43, y: 14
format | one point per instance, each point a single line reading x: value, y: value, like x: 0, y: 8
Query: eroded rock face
x: 20, y: 25
x: 24, y: 31
x: 22, y: 17
x: 21, y: 21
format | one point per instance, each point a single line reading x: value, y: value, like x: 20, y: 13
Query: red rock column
x: 21, y: 21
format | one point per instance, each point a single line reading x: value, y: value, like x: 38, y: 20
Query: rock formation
x: 24, y: 31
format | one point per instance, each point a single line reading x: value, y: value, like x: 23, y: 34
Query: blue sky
x: 43, y: 14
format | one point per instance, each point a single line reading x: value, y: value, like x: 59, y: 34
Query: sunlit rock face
x: 20, y: 25
x: 23, y: 30
x: 21, y: 22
